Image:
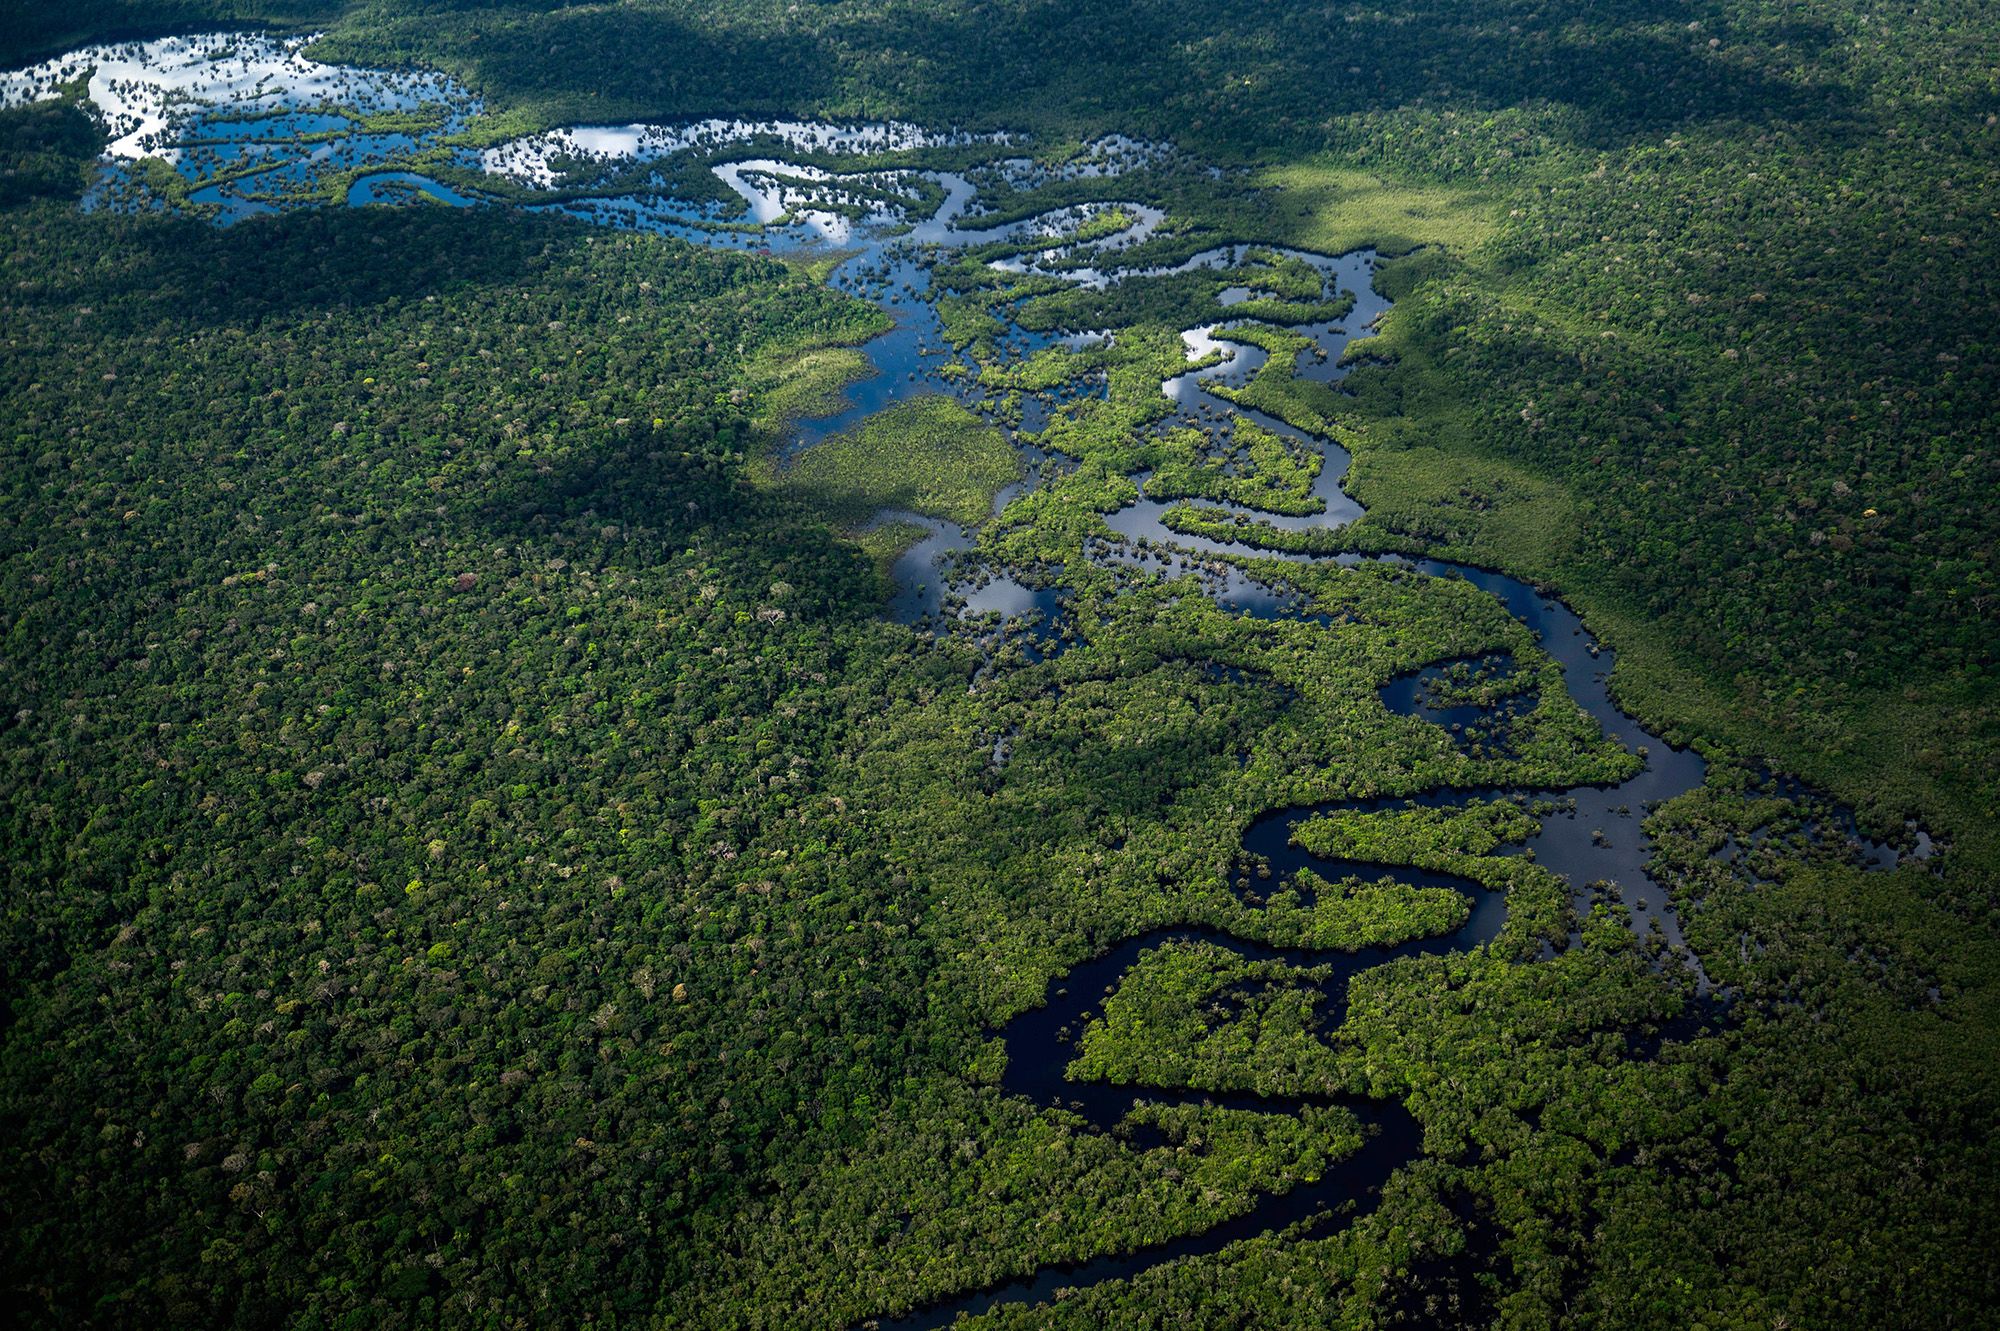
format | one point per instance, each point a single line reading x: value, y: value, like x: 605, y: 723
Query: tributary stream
x: 254, y: 146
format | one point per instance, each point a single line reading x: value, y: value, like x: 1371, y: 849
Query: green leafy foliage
x: 475, y: 856
x: 925, y: 454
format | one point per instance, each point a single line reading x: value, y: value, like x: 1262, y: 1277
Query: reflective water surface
x: 255, y: 128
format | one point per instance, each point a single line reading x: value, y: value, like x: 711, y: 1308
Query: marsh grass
x: 929, y: 455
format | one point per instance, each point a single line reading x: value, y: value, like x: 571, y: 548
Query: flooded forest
x: 883, y: 665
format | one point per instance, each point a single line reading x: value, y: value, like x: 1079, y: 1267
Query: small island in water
x: 891, y: 665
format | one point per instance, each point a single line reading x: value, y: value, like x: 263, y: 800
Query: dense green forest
x: 1708, y: 226
x: 478, y: 855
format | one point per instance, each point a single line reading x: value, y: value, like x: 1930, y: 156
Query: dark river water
x: 248, y: 151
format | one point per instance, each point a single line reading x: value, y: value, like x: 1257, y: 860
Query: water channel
x: 243, y: 119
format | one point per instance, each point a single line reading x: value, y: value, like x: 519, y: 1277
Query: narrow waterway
x: 244, y: 120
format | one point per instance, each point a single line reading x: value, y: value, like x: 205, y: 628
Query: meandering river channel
x: 244, y: 119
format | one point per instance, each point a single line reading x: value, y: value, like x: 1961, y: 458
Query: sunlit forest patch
x: 745, y: 664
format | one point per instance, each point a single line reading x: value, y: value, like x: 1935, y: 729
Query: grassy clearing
x: 885, y: 542
x: 818, y: 268
x: 929, y: 455
x: 1480, y: 508
x: 1336, y: 209
x: 789, y: 384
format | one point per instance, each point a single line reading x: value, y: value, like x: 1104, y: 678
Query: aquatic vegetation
x: 1277, y: 389
x: 926, y: 454
x: 1259, y: 469
x: 885, y: 541
x: 1236, y: 528
x: 790, y: 382
x: 484, y: 855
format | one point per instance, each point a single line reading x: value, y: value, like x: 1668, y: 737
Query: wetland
x: 1199, y: 873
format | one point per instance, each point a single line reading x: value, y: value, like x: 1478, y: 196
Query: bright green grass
x: 791, y: 383
x: 1332, y: 208
x: 885, y: 542
x: 929, y: 455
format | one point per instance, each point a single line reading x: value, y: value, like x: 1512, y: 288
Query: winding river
x: 1592, y: 837
x: 256, y: 146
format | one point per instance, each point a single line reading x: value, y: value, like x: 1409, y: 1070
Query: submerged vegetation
x: 479, y: 855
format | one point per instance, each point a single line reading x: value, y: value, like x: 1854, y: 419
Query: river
x: 244, y: 120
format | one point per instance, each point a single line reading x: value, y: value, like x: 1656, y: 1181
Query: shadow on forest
x: 1153, y: 66
x: 31, y: 32
x: 642, y: 501
x: 654, y: 492
x: 578, y: 57
x: 314, y: 259
x: 1157, y: 67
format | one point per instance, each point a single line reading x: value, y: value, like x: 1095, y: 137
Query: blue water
x: 250, y: 165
